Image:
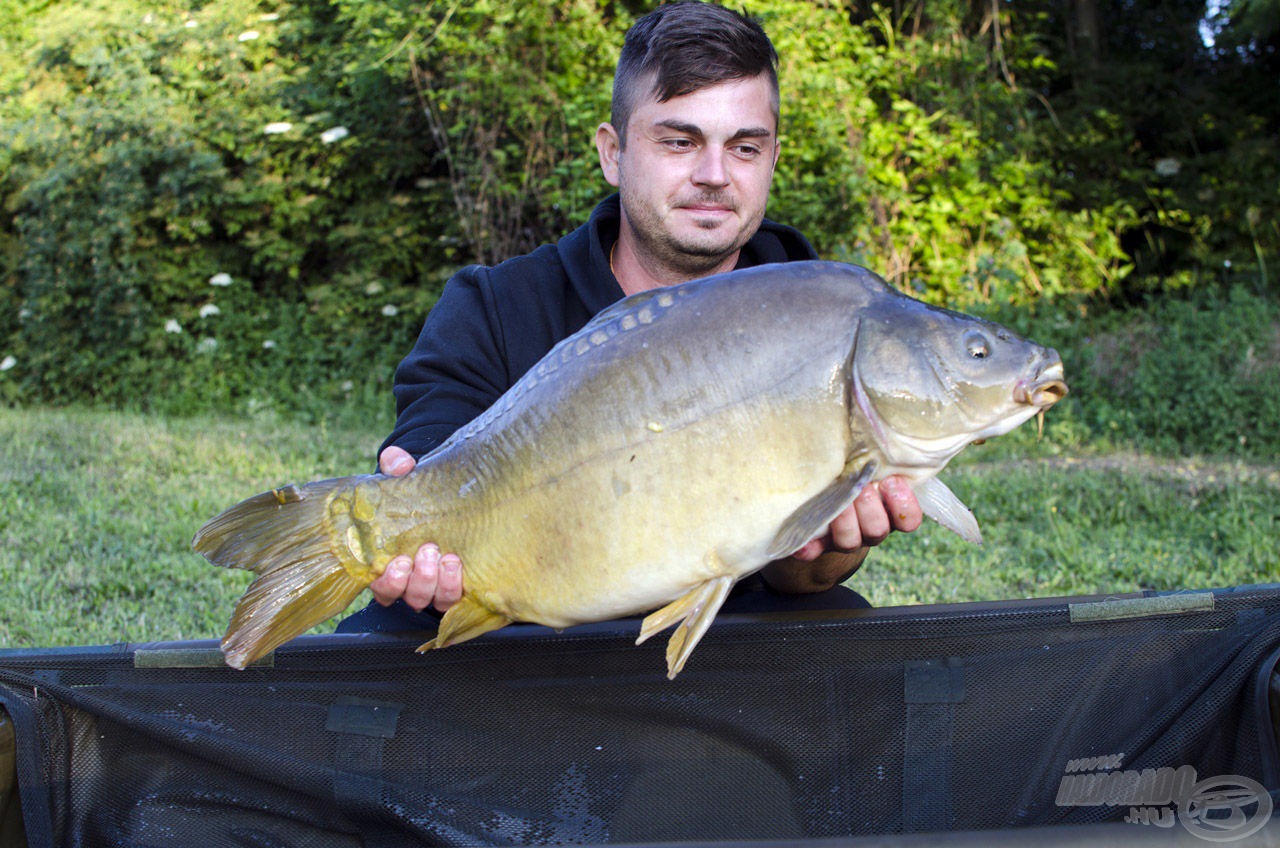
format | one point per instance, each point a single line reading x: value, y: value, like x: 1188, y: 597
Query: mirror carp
x: 681, y: 440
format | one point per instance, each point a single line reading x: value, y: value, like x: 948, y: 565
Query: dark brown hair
x: 683, y: 47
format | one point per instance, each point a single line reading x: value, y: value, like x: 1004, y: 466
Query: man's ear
x: 608, y: 145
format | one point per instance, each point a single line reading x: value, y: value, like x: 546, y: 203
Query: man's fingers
x: 449, y: 589
x: 872, y: 521
x: 879, y: 509
x: 429, y: 579
x: 903, y: 509
x: 391, y: 584
x: 424, y: 581
x: 395, y: 462
x: 812, y: 549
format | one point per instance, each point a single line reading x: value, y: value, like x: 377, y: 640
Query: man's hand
x: 429, y: 578
x: 831, y: 558
x: 879, y: 508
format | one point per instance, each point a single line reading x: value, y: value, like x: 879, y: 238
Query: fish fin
x: 695, y: 611
x: 281, y: 536
x: 817, y: 512
x: 672, y: 613
x: 941, y: 504
x: 466, y: 619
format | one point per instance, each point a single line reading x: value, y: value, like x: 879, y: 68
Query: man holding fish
x: 691, y: 147
x: 591, y: 456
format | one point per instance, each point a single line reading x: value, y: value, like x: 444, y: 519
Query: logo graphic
x: 1218, y: 809
x: 1221, y: 809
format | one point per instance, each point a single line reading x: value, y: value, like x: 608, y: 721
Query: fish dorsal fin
x: 941, y: 504
x: 817, y: 512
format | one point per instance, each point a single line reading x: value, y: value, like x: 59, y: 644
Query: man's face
x: 694, y: 172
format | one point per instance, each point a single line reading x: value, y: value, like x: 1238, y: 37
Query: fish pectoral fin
x: 941, y: 504
x: 694, y: 610
x: 466, y: 619
x: 817, y: 512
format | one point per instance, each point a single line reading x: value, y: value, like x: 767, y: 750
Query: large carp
x: 680, y: 441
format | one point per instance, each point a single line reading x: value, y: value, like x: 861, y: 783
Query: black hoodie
x: 492, y: 324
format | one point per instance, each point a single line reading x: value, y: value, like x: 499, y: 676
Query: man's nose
x: 711, y: 170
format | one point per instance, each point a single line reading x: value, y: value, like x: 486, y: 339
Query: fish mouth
x: 1045, y: 390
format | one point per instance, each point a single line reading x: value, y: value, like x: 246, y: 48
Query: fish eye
x: 976, y: 346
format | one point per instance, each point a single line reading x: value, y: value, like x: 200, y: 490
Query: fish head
x: 930, y: 381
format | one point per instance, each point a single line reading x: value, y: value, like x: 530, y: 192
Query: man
x: 691, y: 147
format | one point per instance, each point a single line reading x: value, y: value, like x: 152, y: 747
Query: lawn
x: 97, y: 510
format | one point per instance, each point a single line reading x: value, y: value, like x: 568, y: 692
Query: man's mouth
x: 708, y: 212
x: 709, y: 206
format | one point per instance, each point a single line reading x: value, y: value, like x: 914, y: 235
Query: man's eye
x: 679, y: 143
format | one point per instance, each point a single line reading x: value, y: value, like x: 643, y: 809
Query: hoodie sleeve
x: 456, y: 369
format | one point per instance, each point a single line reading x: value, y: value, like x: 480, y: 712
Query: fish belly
x: 626, y: 529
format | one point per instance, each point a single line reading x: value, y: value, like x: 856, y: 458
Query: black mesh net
x: 886, y: 721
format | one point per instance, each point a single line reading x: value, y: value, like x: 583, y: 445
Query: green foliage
x: 168, y: 152
x: 898, y: 156
x: 336, y: 160
x: 512, y: 94
x: 1182, y: 136
x: 1188, y: 374
x: 1181, y: 374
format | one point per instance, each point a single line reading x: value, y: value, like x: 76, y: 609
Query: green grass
x: 1118, y: 522
x: 97, y: 510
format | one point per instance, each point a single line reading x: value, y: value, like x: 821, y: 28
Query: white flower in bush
x: 191, y: 24
x: 207, y: 345
x: 222, y: 279
x: 172, y: 326
x: 269, y: 16
x: 7, y: 363
x: 373, y: 288
x: 268, y: 344
x: 248, y: 35
x: 333, y: 134
x: 277, y: 127
x: 390, y: 310
x: 209, y: 310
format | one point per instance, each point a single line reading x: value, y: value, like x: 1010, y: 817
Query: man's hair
x: 686, y: 46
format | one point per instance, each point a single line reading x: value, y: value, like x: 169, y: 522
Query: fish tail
x: 286, y: 537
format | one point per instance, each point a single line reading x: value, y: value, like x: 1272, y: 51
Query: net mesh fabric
x: 889, y: 721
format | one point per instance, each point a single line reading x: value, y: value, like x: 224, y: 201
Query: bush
x: 898, y: 155
x: 1189, y: 374
x: 182, y: 151
x: 1181, y: 374
x: 337, y: 160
